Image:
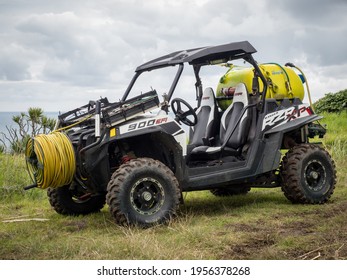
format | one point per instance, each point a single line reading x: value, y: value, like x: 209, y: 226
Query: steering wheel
x: 183, y: 115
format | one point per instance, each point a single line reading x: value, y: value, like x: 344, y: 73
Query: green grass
x: 336, y: 141
x: 13, y: 175
x: 260, y: 225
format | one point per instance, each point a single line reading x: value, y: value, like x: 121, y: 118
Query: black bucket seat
x: 234, y: 128
x: 207, y: 114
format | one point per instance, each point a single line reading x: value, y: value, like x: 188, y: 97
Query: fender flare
x: 297, y: 123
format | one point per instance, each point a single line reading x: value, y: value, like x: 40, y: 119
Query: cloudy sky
x: 58, y: 55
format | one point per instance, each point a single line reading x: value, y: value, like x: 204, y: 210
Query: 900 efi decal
x: 142, y: 124
x: 286, y: 115
x: 145, y: 123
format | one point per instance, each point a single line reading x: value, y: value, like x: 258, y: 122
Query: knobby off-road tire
x: 230, y: 191
x: 67, y: 202
x: 143, y: 192
x: 308, y: 174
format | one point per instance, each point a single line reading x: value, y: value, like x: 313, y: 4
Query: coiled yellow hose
x: 50, y: 160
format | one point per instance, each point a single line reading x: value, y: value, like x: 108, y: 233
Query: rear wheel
x: 308, y: 174
x: 143, y: 192
x: 68, y: 200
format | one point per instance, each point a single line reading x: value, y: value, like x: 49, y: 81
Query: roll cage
x: 199, y: 57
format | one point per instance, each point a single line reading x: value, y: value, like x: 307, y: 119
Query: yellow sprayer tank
x: 283, y: 82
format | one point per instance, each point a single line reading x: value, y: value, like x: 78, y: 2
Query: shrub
x: 332, y: 102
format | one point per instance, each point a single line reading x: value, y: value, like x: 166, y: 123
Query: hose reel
x: 50, y: 160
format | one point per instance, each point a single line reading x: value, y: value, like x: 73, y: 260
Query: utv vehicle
x: 140, y: 162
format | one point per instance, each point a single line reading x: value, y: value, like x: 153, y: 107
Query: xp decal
x: 283, y: 116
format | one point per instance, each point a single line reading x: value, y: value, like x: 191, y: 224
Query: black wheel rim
x: 315, y: 175
x: 147, y: 196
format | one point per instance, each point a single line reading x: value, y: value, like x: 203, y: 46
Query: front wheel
x: 308, y: 174
x: 143, y: 192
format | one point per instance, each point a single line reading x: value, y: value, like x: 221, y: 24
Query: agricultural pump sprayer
x: 133, y: 154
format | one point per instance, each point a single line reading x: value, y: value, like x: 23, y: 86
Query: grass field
x: 260, y: 225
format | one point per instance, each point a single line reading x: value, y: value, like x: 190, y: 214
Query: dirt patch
x: 251, y: 227
x: 291, y: 228
x: 317, y: 234
x: 336, y: 251
x: 296, y: 228
x: 248, y: 249
x: 264, y: 239
x: 74, y: 226
x: 5, y: 235
x: 331, y: 210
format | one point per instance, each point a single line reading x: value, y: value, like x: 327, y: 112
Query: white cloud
x: 60, y: 56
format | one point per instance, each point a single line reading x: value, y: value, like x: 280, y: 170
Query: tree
x: 34, y: 119
x: 29, y: 125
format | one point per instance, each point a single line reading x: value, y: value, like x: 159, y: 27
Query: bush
x: 332, y: 102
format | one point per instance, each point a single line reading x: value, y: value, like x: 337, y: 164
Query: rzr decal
x: 283, y: 116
